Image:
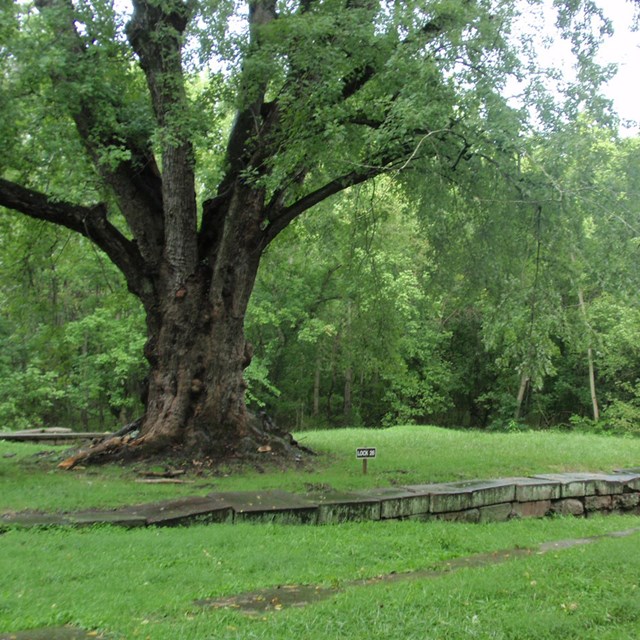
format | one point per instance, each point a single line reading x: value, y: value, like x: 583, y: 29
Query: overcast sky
x: 624, y: 49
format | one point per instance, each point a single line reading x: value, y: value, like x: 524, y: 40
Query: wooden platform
x: 52, y: 435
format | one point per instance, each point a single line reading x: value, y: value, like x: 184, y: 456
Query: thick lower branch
x: 90, y: 222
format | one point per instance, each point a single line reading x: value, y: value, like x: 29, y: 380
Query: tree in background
x: 70, y: 337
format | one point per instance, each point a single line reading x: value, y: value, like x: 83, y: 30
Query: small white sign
x: 364, y: 453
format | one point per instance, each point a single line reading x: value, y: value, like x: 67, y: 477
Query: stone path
x: 579, y: 494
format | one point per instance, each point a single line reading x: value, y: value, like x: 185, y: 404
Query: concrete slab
x: 337, y: 507
x: 399, y: 502
x: 458, y: 496
x: 535, y: 489
x: 179, y: 512
x: 270, y: 506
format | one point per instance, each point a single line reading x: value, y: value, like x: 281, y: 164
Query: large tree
x: 116, y: 127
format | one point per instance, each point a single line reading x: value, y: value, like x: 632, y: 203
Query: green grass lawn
x: 143, y: 583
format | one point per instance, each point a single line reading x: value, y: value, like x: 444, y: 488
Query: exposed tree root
x: 261, y: 441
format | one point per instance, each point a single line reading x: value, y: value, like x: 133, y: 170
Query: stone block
x: 632, y: 477
x: 626, y: 501
x: 179, y: 512
x: 568, y: 507
x: 534, y: 509
x: 460, y: 496
x: 89, y: 518
x: 631, y: 481
x: 271, y: 506
x: 578, y: 485
x: 444, y: 498
x: 278, y: 516
x: 495, y: 512
x: 606, y: 484
x: 597, y: 503
x: 492, y: 492
x: 572, y: 485
x: 399, y: 502
x: 28, y: 519
x: 535, y: 489
x: 335, y: 507
x: 468, y: 515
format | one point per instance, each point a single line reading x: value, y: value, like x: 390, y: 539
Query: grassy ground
x: 406, y: 455
x: 143, y: 583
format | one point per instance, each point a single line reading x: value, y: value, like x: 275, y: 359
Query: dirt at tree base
x: 260, y: 447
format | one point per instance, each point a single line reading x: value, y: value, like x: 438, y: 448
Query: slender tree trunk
x: 316, y: 387
x: 348, y: 387
x: 524, y: 383
x: 347, y: 404
x: 592, y: 376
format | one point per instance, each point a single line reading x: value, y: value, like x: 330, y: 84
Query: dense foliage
x: 377, y: 310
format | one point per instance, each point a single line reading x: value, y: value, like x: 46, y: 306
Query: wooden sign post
x: 365, y: 454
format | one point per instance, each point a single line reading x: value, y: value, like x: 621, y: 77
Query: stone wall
x: 576, y: 494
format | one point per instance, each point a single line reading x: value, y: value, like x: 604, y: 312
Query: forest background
x: 505, y: 306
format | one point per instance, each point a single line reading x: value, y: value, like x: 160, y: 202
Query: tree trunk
x: 197, y: 353
x: 316, y: 386
x: 347, y: 406
x: 524, y: 383
x: 197, y: 350
x: 592, y: 375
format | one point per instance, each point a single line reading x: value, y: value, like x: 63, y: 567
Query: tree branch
x: 90, y: 222
x: 248, y: 117
x: 136, y: 181
x: 155, y: 32
x: 286, y: 215
x: 251, y: 117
